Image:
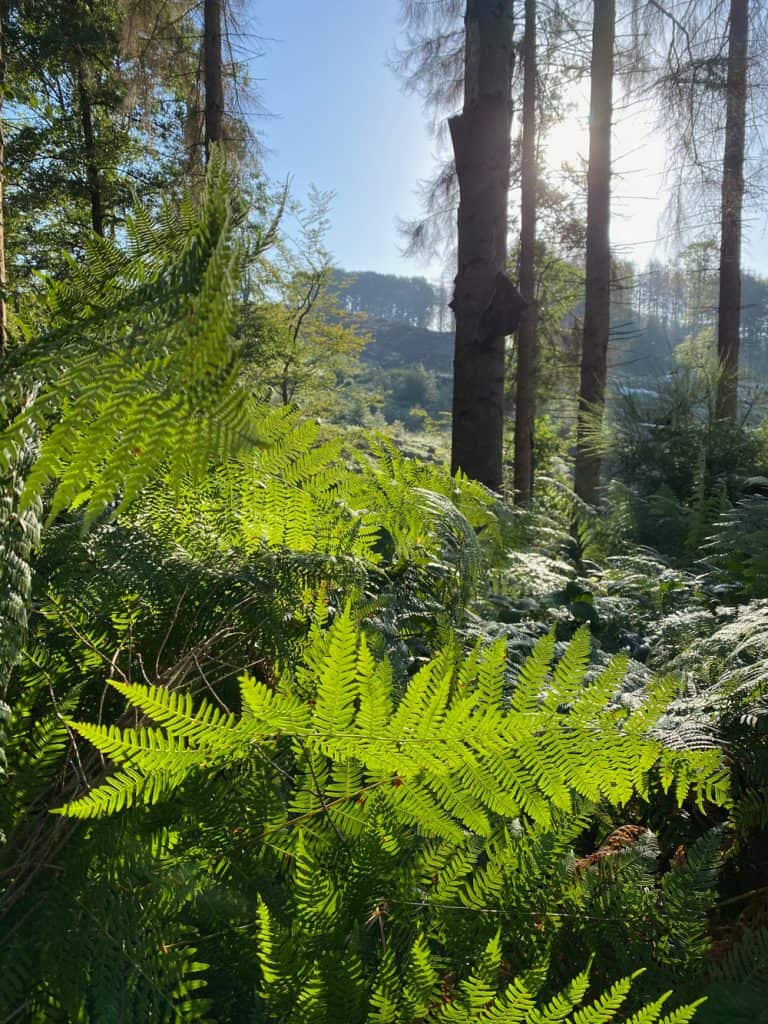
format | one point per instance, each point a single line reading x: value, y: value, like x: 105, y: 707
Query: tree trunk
x: 3, y: 277
x: 527, y: 342
x: 89, y: 148
x: 729, y: 302
x: 597, y: 295
x: 212, y: 70
x: 482, y: 301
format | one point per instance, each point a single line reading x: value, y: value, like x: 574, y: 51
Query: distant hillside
x: 410, y: 300
x: 400, y: 344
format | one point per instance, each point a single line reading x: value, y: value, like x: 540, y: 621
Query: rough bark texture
x: 92, y: 176
x: 597, y: 297
x: 729, y: 302
x: 484, y: 300
x: 527, y: 346
x: 212, y: 70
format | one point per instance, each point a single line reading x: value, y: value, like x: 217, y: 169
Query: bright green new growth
x: 462, y: 751
x: 451, y: 756
x: 478, y: 997
x: 138, y: 373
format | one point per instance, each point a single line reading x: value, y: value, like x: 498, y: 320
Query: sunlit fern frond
x: 138, y: 374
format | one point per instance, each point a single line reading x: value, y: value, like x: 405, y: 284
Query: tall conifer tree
x: 527, y: 356
x: 213, y: 73
x: 597, y: 297
x: 729, y: 302
x: 483, y: 302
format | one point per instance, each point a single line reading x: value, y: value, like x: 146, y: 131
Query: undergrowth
x: 298, y: 728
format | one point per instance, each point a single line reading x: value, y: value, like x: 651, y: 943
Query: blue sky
x: 340, y: 121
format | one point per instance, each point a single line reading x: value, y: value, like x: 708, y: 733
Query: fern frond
x: 451, y: 757
x: 140, y: 370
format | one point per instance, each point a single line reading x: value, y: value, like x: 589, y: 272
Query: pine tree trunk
x: 729, y: 302
x: 597, y: 296
x: 527, y: 342
x: 481, y: 144
x: 212, y: 70
x: 92, y: 176
x: 3, y: 276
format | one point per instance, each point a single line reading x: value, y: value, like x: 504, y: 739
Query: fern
x: 398, y: 818
x: 477, y: 999
x: 739, y: 981
x: 368, y: 793
x: 690, y: 891
x: 442, y: 759
x: 19, y: 536
x: 139, y: 372
x: 735, y: 552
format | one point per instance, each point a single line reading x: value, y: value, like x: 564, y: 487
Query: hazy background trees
x: 701, y: 66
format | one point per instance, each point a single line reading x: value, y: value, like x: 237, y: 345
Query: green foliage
x: 559, y: 291
x: 410, y: 300
x: 450, y: 757
x: 138, y: 374
x: 129, y: 67
x: 19, y: 534
x: 332, y: 735
x: 419, y: 782
x: 738, y: 547
x: 681, y: 467
x: 300, y: 340
x: 739, y: 982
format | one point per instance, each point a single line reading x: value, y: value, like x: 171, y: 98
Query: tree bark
x: 527, y: 342
x: 481, y: 145
x: 212, y: 71
x: 597, y: 296
x: 729, y: 302
x: 92, y: 175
